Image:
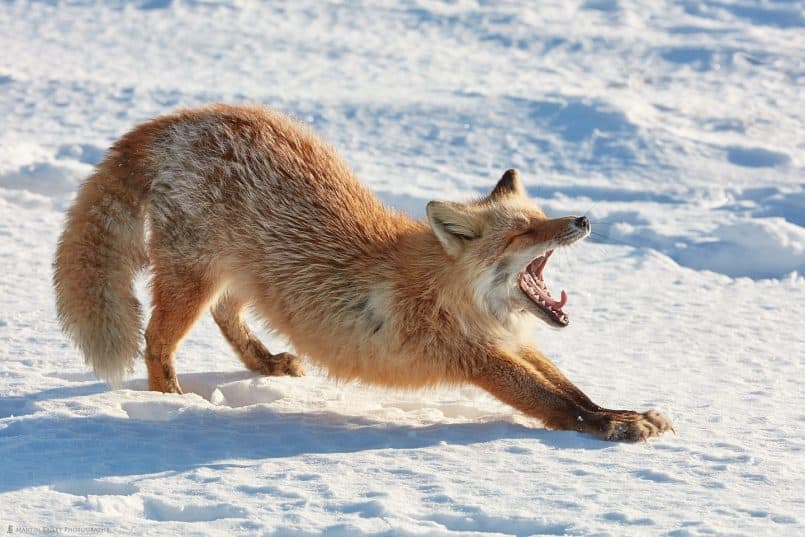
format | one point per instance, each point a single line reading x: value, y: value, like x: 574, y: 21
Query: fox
x: 240, y: 206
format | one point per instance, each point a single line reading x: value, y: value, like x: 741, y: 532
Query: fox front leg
x: 542, y: 392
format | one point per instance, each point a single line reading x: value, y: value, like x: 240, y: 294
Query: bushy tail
x: 99, y: 253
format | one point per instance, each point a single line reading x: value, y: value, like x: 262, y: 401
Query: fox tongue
x: 561, y: 302
x: 556, y: 304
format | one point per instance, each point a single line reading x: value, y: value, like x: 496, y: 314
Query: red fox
x: 235, y: 206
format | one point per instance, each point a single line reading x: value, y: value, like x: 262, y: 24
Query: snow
x: 676, y: 126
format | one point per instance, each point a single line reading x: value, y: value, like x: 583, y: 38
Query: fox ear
x: 509, y: 184
x: 453, y: 224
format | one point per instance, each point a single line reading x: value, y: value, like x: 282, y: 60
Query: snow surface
x: 676, y: 126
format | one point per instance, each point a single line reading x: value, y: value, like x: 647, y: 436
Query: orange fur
x: 243, y: 206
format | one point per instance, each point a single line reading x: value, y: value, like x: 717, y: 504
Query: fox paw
x: 633, y: 426
x: 280, y: 364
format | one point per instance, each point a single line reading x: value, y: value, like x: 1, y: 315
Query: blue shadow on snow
x: 43, y: 449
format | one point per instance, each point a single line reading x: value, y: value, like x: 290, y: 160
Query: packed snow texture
x: 675, y: 126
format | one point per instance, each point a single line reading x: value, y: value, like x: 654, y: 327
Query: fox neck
x: 434, y: 281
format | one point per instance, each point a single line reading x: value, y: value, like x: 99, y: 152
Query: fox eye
x: 514, y: 236
x: 522, y: 232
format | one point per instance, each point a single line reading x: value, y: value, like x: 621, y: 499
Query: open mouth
x: 532, y: 284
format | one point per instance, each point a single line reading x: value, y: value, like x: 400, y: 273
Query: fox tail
x: 98, y: 256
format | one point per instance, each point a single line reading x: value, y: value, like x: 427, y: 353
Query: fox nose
x: 582, y: 222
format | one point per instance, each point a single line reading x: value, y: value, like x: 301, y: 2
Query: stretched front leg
x: 612, y: 421
x: 535, y: 387
x: 541, y: 363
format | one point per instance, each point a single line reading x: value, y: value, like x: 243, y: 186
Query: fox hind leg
x: 254, y: 355
x: 178, y: 302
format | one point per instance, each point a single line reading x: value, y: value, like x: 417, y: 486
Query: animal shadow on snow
x: 15, y: 406
x: 44, y: 448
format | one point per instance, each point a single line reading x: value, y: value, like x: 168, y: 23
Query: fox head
x: 502, y: 243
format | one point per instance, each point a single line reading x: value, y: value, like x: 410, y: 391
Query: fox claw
x: 634, y: 426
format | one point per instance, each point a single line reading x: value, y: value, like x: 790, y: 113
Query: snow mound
x: 756, y: 157
x: 788, y: 203
x: 94, y: 487
x: 43, y: 177
x: 159, y: 510
x: 760, y: 248
x: 30, y: 176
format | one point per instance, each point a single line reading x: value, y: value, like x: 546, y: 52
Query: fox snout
x: 562, y: 231
x: 580, y: 228
x: 583, y: 223
x: 569, y: 229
